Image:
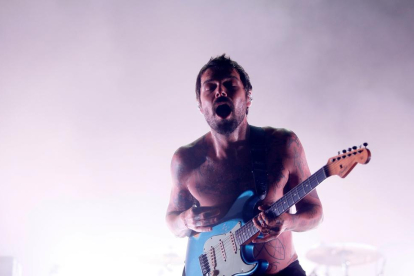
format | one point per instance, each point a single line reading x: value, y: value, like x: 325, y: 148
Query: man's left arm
x: 309, y: 212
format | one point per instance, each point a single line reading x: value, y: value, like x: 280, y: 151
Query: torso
x: 218, y: 183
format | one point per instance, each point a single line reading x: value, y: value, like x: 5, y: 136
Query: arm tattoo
x: 180, y: 172
x: 311, y: 210
x: 299, y: 165
x: 293, y: 139
x: 184, y: 200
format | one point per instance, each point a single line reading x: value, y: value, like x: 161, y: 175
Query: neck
x: 228, y: 145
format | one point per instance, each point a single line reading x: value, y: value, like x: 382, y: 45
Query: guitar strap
x: 258, y: 158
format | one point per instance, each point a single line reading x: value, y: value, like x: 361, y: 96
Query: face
x: 223, y: 100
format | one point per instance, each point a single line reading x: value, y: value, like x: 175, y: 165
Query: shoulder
x: 281, y: 137
x: 188, y: 157
x: 285, y: 145
x: 282, y: 143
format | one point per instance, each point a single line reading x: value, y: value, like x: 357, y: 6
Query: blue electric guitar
x: 226, y: 251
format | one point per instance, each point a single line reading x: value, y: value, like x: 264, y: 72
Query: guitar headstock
x: 343, y: 163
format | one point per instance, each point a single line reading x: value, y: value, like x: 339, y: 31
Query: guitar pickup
x: 223, y: 250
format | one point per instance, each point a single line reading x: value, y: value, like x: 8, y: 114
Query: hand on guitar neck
x: 271, y: 227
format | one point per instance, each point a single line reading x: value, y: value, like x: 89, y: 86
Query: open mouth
x: 223, y: 111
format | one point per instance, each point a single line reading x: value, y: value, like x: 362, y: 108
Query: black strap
x: 258, y: 157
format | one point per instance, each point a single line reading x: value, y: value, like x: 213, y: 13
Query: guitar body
x: 222, y: 255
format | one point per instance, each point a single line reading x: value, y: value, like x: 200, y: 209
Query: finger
x: 213, y: 212
x: 270, y: 235
x: 263, y: 219
x: 257, y: 223
x: 209, y: 214
x: 203, y: 229
x: 206, y: 222
x: 201, y: 226
x: 210, y: 221
x: 203, y: 210
x: 264, y: 239
x: 263, y: 207
x: 259, y: 238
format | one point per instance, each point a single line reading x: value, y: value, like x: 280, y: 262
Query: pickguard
x: 217, y: 249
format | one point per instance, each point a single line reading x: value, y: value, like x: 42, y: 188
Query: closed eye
x: 210, y: 87
x: 230, y: 85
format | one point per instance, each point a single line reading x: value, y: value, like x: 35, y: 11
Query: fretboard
x: 248, y: 230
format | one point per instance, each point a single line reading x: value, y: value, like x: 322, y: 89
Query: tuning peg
x: 343, y: 151
x: 365, y: 144
x: 354, y: 147
x: 349, y: 149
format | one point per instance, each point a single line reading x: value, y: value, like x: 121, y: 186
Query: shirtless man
x: 210, y: 173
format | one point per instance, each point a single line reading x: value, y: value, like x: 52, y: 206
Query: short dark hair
x: 223, y: 62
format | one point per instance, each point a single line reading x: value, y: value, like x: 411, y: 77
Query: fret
x: 251, y: 230
x: 274, y: 210
x: 240, y: 235
x: 314, y: 182
x: 307, y: 186
x: 279, y: 207
x: 301, y: 191
x: 293, y: 200
x: 296, y: 196
x: 285, y: 205
x: 321, y: 176
x: 289, y: 200
x: 237, y: 237
x: 246, y: 232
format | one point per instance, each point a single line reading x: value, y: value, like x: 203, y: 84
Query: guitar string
x: 227, y: 241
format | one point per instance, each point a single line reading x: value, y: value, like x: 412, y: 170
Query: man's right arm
x: 182, y: 215
x: 180, y: 197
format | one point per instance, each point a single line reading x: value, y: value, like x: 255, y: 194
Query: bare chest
x: 220, y: 183
x: 214, y: 183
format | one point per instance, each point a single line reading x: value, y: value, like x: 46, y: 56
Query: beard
x: 229, y: 123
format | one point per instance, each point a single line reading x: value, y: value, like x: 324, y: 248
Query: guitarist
x: 211, y: 172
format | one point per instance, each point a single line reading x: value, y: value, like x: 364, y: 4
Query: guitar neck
x: 248, y: 230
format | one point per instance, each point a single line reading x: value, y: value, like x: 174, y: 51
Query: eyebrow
x: 229, y: 77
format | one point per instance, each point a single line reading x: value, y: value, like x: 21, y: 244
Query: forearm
x: 177, y: 225
x: 306, y: 218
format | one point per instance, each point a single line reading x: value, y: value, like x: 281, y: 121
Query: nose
x: 221, y: 93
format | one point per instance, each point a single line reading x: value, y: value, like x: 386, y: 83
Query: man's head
x: 223, y: 94
x: 223, y: 63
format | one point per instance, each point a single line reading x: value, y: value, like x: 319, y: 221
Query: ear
x: 199, y: 107
x: 249, y: 98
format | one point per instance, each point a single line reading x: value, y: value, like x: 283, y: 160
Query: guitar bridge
x: 205, y: 266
